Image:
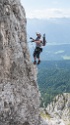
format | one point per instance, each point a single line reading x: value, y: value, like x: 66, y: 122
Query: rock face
x: 58, y: 111
x: 60, y: 107
x: 19, y: 95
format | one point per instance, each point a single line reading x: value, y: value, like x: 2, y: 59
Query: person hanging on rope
x: 38, y: 48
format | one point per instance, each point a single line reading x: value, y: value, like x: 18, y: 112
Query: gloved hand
x: 31, y: 38
x: 32, y: 41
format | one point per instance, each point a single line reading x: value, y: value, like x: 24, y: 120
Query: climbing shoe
x: 34, y: 62
x: 39, y: 62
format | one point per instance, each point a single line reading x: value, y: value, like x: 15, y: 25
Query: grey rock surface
x: 57, y: 112
x: 60, y: 107
x: 19, y: 95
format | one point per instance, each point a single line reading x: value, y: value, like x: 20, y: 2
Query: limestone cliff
x: 60, y: 108
x: 58, y: 111
x: 19, y: 95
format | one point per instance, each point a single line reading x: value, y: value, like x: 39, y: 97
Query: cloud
x: 65, y: 57
x: 59, y: 52
x: 49, y: 13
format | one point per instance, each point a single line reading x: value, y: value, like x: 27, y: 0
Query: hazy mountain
x: 57, y: 30
x: 54, y: 52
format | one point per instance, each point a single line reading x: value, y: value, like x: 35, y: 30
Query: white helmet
x: 38, y: 34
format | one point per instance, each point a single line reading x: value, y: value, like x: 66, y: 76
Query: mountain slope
x: 53, y: 79
x: 58, y: 111
x: 60, y: 107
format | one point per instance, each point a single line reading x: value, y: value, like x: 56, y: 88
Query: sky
x: 46, y: 8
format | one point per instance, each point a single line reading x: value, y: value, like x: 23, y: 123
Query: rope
x: 31, y: 42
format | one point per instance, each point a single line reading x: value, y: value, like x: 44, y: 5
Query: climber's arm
x: 38, y: 41
x: 32, y: 39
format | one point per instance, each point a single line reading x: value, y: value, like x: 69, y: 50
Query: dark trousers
x: 37, y: 52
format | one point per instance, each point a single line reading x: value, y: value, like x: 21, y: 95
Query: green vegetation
x: 53, y: 79
x: 45, y: 115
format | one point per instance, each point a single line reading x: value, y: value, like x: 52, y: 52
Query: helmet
x: 38, y: 34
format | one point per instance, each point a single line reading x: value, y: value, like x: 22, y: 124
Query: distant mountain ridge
x: 57, y: 29
x: 56, y: 52
x: 53, y: 52
x: 57, y: 32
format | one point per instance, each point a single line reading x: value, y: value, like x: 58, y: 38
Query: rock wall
x: 19, y: 95
x: 60, y: 108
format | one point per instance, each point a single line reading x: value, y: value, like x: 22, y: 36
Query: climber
x: 38, y: 48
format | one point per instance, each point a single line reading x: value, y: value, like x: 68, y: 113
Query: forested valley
x: 53, y: 79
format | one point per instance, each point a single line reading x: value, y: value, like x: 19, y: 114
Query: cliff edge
x: 19, y: 95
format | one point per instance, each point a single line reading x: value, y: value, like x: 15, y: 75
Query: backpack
x: 44, y: 40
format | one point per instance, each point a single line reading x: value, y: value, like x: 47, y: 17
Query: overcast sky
x: 47, y: 8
